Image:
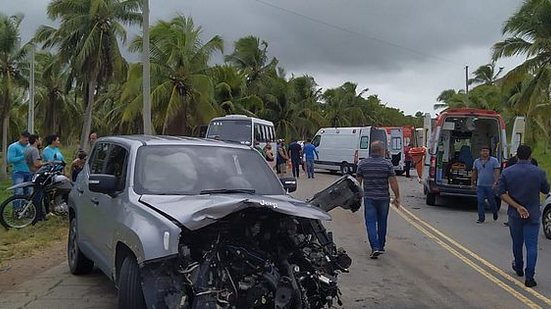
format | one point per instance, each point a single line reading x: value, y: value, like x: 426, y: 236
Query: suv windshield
x: 190, y: 170
x: 231, y: 130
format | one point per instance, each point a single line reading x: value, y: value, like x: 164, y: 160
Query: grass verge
x: 15, y: 244
x: 544, y: 158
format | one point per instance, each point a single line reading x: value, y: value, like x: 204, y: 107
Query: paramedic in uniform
x: 485, y: 176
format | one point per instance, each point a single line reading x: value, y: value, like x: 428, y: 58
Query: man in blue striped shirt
x: 376, y: 173
x: 520, y: 186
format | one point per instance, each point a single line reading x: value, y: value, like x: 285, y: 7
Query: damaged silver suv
x: 193, y: 223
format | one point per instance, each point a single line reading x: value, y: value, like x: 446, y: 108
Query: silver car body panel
x: 196, y: 212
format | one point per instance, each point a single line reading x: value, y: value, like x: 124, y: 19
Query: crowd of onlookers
x: 27, y: 155
x: 296, y: 155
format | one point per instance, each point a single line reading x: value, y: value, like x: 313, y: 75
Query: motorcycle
x: 49, y: 186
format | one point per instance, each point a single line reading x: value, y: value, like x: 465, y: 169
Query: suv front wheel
x: 547, y: 222
x: 79, y: 264
x: 130, y: 285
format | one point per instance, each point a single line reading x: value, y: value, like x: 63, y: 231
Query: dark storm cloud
x: 382, y: 44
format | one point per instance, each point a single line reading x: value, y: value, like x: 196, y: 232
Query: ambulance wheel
x: 431, y: 199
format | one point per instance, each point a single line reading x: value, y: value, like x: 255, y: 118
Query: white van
x: 340, y: 149
x: 456, y: 138
x: 244, y: 130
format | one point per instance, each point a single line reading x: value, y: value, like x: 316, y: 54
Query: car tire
x: 547, y: 222
x: 346, y: 169
x: 79, y: 264
x: 130, y: 285
x: 431, y: 199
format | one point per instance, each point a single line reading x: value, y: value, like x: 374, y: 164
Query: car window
x: 116, y: 164
x: 317, y: 140
x: 364, y: 142
x: 99, y: 155
x: 192, y: 169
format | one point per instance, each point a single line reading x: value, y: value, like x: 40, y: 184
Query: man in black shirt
x: 295, y: 150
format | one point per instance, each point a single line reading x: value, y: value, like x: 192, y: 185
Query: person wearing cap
x: 485, y: 176
x: 16, y: 158
x: 520, y: 186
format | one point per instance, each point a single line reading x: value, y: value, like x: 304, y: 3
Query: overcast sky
x: 406, y: 51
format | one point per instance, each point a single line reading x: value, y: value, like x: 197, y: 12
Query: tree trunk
x: 178, y: 124
x: 4, y: 164
x: 87, y: 124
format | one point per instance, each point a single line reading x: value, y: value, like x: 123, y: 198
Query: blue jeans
x: 376, y: 216
x: 310, y: 167
x: 17, y: 178
x: 485, y: 193
x: 20, y: 177
x: 525, y: 232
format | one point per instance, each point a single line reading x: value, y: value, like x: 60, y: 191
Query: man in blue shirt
x: 520, y: 187
x: 20, y: 169
x: 52, y: 152
x: 485, y: 175
x: 309, y: 153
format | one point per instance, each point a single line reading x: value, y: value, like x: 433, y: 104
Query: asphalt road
x: 437, y: 257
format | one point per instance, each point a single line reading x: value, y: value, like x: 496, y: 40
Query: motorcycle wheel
x: 18, y: 212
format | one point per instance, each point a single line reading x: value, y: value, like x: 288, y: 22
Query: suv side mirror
x: 102, y: 183
x: 289, y: 184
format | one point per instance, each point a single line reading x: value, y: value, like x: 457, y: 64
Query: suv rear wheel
x: 79, y: 264
x: 130, y: 285
x: 547, y: 222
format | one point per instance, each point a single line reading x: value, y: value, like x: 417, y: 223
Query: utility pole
x: 467, y: 79
x: 30, y: 120
x: 147, y: 127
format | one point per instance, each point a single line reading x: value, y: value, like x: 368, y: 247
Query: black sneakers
x: 519, y: 272
x: 495, y: 216
x: 530, y: 283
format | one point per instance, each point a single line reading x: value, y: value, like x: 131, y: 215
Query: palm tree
x: 529, y: 35
x: 182, y: 91
x: 230, y: 89
x: 306, y: 98
x: 51, y: 98
x: 344, y: 107
x: 486, y: 74
x: 277, y: 94
x: 12, y: 61
x: 251, y: 56
x: 451, y: 98
x: 88, y: 40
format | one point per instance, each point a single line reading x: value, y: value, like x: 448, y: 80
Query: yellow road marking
x: 518, y: 283
x: 470, y: 263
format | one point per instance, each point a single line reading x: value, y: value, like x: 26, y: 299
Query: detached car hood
x: 196, y: 212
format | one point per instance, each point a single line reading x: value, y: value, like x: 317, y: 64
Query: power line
x: 370, y: 37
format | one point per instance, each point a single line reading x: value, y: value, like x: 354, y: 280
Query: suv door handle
x: 95, y: 201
